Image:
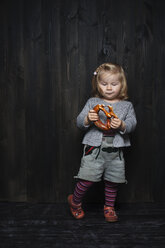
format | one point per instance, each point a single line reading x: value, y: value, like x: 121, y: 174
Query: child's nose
x: 109, y: 87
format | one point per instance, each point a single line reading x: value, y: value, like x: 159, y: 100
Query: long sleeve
x: 130, y: 120
x: 93, y: 135
x: 82, y: 115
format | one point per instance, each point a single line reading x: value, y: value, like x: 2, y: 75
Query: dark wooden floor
x: 51, y: 225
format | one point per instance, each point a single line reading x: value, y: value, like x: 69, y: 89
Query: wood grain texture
x: 51, y: 225
x: 49, y: 51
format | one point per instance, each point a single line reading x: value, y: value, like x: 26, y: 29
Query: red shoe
x: 110, y: 214
x: 76, y: 210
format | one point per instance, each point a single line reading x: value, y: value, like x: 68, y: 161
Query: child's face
x: 109, y: 86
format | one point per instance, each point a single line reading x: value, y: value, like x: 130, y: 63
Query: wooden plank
x: 13, y: 142
x: 50, y: 50
x: 51, y: 225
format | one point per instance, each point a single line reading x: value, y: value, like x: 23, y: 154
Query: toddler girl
x: 103, y: 155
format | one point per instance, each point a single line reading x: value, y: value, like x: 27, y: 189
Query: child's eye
x: 115, y: 83
x: 103, y: 83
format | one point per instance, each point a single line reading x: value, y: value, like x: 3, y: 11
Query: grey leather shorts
x: 105, y: 162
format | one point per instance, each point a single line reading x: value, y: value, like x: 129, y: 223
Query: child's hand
x: 92, y: 116
x: 116, y: 123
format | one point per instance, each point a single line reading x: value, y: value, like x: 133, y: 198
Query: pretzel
x: 109, y: 115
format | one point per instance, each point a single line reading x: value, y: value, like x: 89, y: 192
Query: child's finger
x: 93, y: 116
x: 92, y: 111
x: 116, y: 120
x: 115, y: 123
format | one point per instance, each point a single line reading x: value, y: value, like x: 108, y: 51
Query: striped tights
x: 82, y: 186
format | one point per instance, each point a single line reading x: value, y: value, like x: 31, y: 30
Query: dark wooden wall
x: 48, y: 52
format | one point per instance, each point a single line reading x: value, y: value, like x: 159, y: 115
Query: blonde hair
x: 113, y: 69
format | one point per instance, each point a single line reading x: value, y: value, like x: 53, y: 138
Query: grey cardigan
x: 123, y: 109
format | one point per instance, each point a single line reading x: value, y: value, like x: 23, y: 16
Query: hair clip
x: 95, y: 73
